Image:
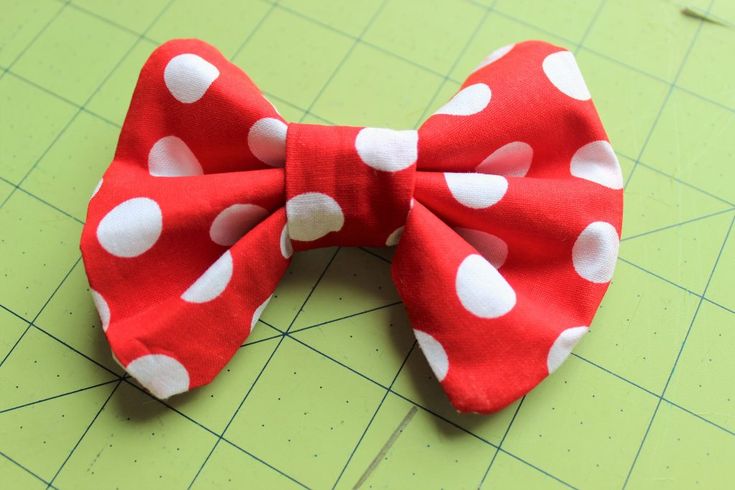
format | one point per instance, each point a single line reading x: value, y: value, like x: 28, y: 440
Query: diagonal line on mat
x: 61, y: 98
x: 730, y: 310
x: 86, y: 110
x: 39, y: 312
x: 386, y: 447
x: 281, y: 332
x: 521, y: 460
x: 60, y: 395
x: 57, y: 339
x: 20, y: 317
x: 700, y: 417
x: 264, y: 462
x: 377, y: 256
x: 352, y: 315
x: 658, y: 276
x: 672, y: 283
x: 676, y: 225
x: 339, y: 363
x: 108, y: 21
x: 89, y: 426
x: 678, y: 356
x: 613, y: 373
x: 247, y: 344
x: 42, y: 200
x: 32, y: 473
x: 675, y: 179
x: 683, y: 182
x: 674, y: 404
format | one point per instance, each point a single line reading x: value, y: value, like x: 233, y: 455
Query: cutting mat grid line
x: 288, y: 333
x: 678, y: 356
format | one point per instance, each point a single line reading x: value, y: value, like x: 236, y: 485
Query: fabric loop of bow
x: 347, y: 186
x: 506, y: 205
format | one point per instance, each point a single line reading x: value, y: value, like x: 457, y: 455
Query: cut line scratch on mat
x: 705, y: 16
x: 386, y: 447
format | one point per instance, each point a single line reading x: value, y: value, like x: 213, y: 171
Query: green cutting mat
x: 323, y: 394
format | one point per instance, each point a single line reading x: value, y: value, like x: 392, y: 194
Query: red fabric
x: 507, y: 203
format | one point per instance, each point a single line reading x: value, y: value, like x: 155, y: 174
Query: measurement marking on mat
x: 386, y: 447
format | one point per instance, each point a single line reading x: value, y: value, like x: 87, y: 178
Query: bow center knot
x: 348, y: 186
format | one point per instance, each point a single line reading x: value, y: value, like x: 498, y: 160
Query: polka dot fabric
x: 505, y: 206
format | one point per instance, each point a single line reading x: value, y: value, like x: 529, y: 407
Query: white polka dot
x: 511, y: 160
x: 563, y: 346
x: 434, y: 353
x: 96, y: 189
x: 470, y: 100
x: 493, y: 248
x: 482, y: 290
x: 170, y: 157
x: 212, y: 283
x: 233, y: 222
x: 394, y: 237
x: 258, y: 312
x: 476, y: 191
x: 312, y: 215
x: 188, y: 77
x: 131, y: 228
x: 286, y: 245
x: 267, y: 141
x: 102, y: 308
x: 495, y: 56
x: 160, y: 374
x: 595, y: 252
x: 597, y: 162
x: 561, y: 69
x: 387, y: 149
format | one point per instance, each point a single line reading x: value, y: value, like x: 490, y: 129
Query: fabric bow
x: 506, y: 206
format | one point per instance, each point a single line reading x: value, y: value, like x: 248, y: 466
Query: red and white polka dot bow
x: 505, y: 204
